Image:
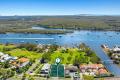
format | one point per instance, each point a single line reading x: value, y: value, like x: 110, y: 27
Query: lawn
x: 69, y: 56
x: 24, y: 53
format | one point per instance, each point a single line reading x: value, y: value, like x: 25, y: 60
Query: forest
x: 22, y: 24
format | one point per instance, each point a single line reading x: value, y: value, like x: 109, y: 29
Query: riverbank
x: 35, y: 31
x: 50, y: 31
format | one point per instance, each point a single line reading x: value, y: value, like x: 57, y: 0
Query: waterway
x: 94, y: 39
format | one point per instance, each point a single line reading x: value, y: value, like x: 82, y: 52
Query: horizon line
x: 68, y: 15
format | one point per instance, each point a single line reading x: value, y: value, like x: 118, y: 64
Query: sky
x: 59, y: 7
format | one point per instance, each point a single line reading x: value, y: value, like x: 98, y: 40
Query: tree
x: 31, y: 78
x: 80, y: 58
x: 46, y: 57
x: 6, y: 64
x: 28, y: 46
x: 6, y: 73
x: 24, y: 76
x: 53, y: 48
x: 86, y: 77
x: 69, y: 58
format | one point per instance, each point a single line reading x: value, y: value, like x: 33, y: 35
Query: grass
x: 20, y: 52
x: 67, y: 57
x: 24, y: 53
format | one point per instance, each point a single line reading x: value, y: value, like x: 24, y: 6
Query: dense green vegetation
x: 34, y: 31
x: 6, y: 73
x: 24, y: 23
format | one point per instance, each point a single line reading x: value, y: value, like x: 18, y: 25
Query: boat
x: 104, y: 46
x: 60, y: 35
x: 36, y: 40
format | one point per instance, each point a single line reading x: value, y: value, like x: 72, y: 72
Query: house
x: 70, y: 70
x: 91, y: 66
x: 1, y: 54
x: 116, y: 53
x: 45, y: 70
x: 6, y: 57
x: 102, y: 71
x: 40, y: 46
x: 23, y: 61
x: 14, y: 64
x: 93, y: 69
x: 116, y: 49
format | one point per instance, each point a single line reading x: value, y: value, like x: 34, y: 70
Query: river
x: 92, y: 38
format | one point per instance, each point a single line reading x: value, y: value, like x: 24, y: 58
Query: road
x: 34, y: 65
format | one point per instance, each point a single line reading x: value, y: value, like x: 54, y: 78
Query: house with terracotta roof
x: 93, y: 69
x: 21, y: 62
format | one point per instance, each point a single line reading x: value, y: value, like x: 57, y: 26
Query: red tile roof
x: 91, y: 66
x: 102, y: 71
x: 23, y: 60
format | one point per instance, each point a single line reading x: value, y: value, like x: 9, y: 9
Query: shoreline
x: 53, y: 31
